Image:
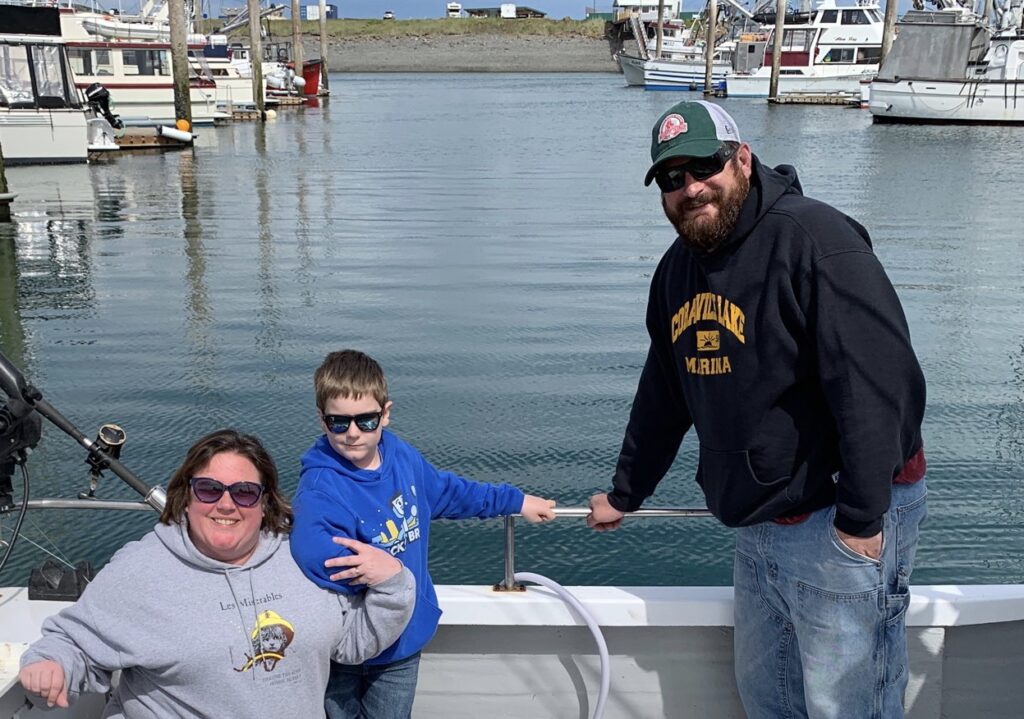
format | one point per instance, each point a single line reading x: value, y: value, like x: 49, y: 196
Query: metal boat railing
x: 509, y: 584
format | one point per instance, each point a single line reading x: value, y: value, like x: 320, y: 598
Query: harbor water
x: 489, y: 240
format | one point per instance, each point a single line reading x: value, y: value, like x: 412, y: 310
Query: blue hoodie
x: 391, y: 508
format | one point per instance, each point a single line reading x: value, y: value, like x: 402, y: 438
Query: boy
x: 361, y: 482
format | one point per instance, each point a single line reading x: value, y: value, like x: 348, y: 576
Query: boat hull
x: 43, y: 137
x: 526, y: 654
x: 668, y: 74
x: 152, y: 103
x: 757, y: 84
x: 948, y: 101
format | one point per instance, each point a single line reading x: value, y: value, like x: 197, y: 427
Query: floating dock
x: 807, y: 98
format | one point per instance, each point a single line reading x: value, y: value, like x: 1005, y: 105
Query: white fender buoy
x: 174, y: 133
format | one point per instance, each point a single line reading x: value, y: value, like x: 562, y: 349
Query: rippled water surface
x: 488, y: 238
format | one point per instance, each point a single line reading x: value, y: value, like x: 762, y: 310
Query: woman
x: 207, y: 615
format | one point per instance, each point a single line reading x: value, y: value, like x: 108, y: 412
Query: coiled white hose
x: 602, y: 648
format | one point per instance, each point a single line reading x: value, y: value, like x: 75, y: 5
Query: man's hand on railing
x: 603, y: 516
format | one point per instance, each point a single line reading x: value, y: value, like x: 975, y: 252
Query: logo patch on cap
x: 672, y: 126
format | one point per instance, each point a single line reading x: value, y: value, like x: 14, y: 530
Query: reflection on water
x: 489, y: 239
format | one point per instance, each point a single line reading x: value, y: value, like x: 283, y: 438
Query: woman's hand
x: 537, y: 509
x: 45, y: 679
x: 366, y: 565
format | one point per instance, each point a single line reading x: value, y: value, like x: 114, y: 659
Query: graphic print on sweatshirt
x: 705, y: 357
x: 270, y: 637
x: 401, y: 525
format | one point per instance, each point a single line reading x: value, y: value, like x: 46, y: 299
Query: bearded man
x: 777, y: 336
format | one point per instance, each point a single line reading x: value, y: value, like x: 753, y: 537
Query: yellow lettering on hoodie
x: 709, y: 307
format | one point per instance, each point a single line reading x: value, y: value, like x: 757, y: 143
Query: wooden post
x: 297, y: 41
x: 323, y: 46
x: 256, y: 56
x: 709, y: 46
x: 661, y: 29
x: 888, y: 29
x: 5, y: 203
x: 780, y: 19
x: 179, y: 62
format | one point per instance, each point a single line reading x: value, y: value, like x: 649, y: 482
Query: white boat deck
x: 526, y: 654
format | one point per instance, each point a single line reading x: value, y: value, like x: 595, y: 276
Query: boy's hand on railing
x: 603, y: 516
x: 537, y: 509
x: 366, y: 565
x: 45, y: 679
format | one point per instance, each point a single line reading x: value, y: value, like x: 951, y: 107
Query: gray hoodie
x: 200, y: 638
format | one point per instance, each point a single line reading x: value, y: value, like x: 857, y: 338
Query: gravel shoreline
x: 467, y: 53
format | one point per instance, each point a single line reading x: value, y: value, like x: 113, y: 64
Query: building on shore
x: 508, y: 10
x: 646, y: 9
x: 312, y: 12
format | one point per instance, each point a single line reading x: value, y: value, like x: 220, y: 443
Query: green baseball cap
x: 690, y: 129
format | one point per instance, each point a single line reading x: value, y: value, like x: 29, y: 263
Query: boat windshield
x: 35, y: 76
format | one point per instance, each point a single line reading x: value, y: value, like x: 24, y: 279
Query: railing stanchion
x: 509, y: 583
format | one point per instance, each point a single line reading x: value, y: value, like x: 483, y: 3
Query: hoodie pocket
x: 735, y: 493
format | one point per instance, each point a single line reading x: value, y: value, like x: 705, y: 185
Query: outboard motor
x: 99, y: 98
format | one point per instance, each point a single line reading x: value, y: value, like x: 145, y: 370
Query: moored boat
x: 953, y: 66
x: 546, y: 651
x: 827, y: 51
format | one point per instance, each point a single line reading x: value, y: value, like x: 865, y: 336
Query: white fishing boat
x: 826, y: 51
x: 42, y: 116
x: 44, y: 119
x: 137, y: 72
x: 680, y: 61
x: 953, y: 66
x: 546, y: 651
x: 681, y: 73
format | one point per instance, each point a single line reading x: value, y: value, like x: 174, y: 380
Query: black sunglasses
x: 366, y: 422
x: 671, y: 179
x: 208, y: 491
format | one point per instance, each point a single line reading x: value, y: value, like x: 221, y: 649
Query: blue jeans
x: 821, y: 630
x: 372, y: 691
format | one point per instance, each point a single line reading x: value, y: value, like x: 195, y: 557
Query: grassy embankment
x: 360, y: 29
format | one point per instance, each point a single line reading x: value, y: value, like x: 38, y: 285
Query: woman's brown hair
x: 277, y: 513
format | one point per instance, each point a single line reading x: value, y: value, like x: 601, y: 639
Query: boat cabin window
x: 35, y: 76
x: 839, y: 54
x: 51, y: 88
x: 796, y: 40
x: 90, y: 61
x: 146, y: 62
x: 15, y: 77
x: 869, y: 55
x: 829, y: 17
x: 855, y: 17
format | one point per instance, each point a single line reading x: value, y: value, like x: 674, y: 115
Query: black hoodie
x: 788, y: 351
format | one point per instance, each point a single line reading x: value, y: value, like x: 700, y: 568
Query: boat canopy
x: 933, y: 48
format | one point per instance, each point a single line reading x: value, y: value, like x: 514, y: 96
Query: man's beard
x: 700, y: 234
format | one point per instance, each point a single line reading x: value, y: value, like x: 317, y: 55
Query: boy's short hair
x: 349, y: 374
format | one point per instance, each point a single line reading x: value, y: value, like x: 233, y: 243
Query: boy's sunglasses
x: 699, y: 168
x: 209, y: 491
x: 366, y: 422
